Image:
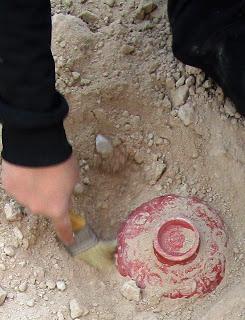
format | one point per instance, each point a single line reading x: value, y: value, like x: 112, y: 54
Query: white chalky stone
x: 9, y: 251
x: 3, y: 295
x: 61, y: 285
x: 50, y: 284
x: 77, y: 310
x: 131, y: 291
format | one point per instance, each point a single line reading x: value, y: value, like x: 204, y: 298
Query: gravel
x: 61, y: 285
x: 179, y: 96
x: 77, y: 310
x: 23, y: 286
x: 9, y: 251
x: 229, y: 108
x: 185, y: 113
x: 131, y: 291
x: 50, y: 284
x: 12, y: 211
x: 3, y: 295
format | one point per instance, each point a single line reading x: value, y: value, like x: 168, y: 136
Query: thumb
x: 63, y: 229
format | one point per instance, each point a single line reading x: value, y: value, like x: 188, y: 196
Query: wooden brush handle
x: 78, y: 222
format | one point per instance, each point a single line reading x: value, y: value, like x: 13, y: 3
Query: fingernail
x: 70, y: 242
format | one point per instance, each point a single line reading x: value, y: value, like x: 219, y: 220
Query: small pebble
x: 185, y: 114
x: 9, y: 251
x: 2, y: 267
x: 159, y: 141
x: 190, y: 81
x: 62, y: 44
x: 61, y: 285
x: 77, y: 310
x: 50, y: 284
x: 200, y: 79
x: 110, y: 3
x: 85, y: 82
x: 86, y: 168
x: 192, y: 70
x: 30, y: 303
x: 75, y: 75
x: 145, y: 7
x: 170, y: 83
x: 156, y: 172
x: 103, y: 145
x: 125, y: 113
x: 67, y: 3
x: 131, y: 291
x: 237, y: 115
x: 229, y: 108
x: 180, y: 82
x: 42, y: 285
x: 207, y: 84
x: 179, y: 96
x: 86, y: 181
x: 151, y: 136
x: 139, y: 157
x: 79, y: 189
x: 60, y: 316
x: 3, y: 295
x: 23, y: 287
x: 127, y: 49
x: 12, y: 212
x: 88, y: 17
x: 18, y: 234
x: 10, y: 295
x: 25, y: 244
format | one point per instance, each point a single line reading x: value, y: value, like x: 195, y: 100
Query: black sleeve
x: 31, y: 110
x: 210, y: 34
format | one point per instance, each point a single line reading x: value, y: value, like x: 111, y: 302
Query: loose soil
x: 121, y: 80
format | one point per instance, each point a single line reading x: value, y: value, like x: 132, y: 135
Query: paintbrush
x: 87, y: 247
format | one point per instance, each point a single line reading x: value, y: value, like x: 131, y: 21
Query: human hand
x: 44, y: 190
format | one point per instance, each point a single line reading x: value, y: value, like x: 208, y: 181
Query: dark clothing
x: 31, y: 110
x: 208, y: 34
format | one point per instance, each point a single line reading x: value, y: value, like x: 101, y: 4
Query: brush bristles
x: 100, y: 256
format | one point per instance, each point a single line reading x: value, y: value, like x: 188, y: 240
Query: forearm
x: 31, y: 110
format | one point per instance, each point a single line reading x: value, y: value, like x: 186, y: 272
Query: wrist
x: 36, y: 147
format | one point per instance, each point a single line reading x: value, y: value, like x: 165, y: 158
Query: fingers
x: 45, y: 191
x: 63, y: 229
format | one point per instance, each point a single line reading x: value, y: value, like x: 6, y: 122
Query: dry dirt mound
x: 115, y: 66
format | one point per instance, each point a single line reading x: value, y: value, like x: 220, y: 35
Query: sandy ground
x: 115, y: 67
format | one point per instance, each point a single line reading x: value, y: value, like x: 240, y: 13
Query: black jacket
x: 31, y: 110
x: 208, y: 34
